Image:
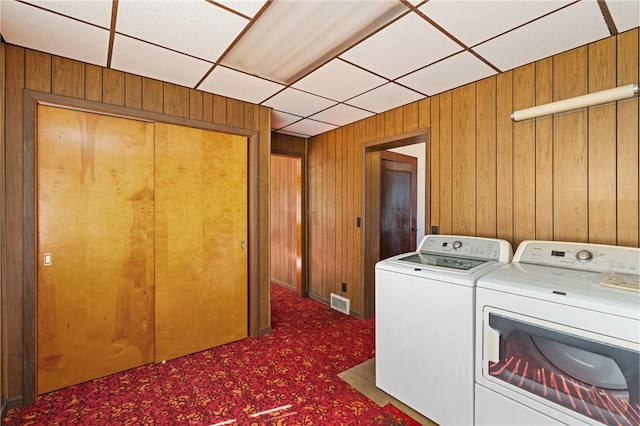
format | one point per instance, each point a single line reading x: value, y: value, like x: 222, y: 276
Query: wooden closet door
x: 95, y: 227
x: 201, y: 237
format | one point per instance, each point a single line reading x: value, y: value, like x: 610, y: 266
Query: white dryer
x: 558, y: 338
x: 425, y: 323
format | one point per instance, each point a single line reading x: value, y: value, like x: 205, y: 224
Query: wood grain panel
x: 67, y: 77
x: 524, y: 176
x: 95, y: 205
x: 219, y: 109
x: 195, y: 105
x: 3, y: 215
x: 463, y: 150
x: 486, y: 158
x: 176, y: 100
x: 152, y: 95
x: 38, y: 72
x: 602, y: 145
x: 201, y: 235
x: 446, y: 165
x: 435, y: 161
x: 338, y: 233
x: 570, y: 203
x: 410, y: 117
x: 93, y: 77
x: 235, y: 113
x: 504, y: 156
x: 113, y: 87
x: 133, y: 91
x: 355, y: 193
x: 544, y: 153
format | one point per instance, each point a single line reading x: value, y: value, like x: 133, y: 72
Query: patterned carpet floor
x: 288, y: 377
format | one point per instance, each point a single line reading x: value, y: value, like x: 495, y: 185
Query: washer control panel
x: 583, y: 256
x: 464, y: 246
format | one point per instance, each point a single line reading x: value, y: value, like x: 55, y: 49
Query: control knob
x: 584, y: 256
x: 457, y: 245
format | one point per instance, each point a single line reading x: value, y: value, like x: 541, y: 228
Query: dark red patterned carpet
x: 288, y: 377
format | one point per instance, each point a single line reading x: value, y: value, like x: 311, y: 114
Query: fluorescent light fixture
x: 591, y: 99
x: 305, y: 34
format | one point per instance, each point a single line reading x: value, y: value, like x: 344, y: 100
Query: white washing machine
x: 558, y: 338
x: 425, y: 323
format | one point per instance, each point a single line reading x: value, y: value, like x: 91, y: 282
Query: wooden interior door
x: 201, y: 240
x: 95, y: 307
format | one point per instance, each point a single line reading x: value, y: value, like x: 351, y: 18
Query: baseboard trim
x: 9, y: 404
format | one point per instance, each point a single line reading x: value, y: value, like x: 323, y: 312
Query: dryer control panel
x: 582, y: 256
x: 468, y: 247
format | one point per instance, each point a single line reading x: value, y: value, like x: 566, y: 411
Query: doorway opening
x: 418, y: 143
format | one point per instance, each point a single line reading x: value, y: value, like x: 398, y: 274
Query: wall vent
x: 340, y: 303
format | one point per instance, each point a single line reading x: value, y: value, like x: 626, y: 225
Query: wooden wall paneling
x: 315, y: 225
x: 338, y: 232
x: 570, y: 150
x: 446, y: 164
x: 132, y: 91
x: 113, y: 87
x: 380, y: 126
x: 219, y: 109
x: 544, y: 153
x: 260, y: 210
x: 152, y: 95
x: 628, y: 128
x: 38, y: 72
x: 463, y: 150
x: 249, y: 115
x: 486, y: 157
x: 601, y: 145
x: 176, y: 100
x: 348, y: 215
x: 3, y: 215
x: 355, y: 191
x: 504, y: 156
x: 195, y: 106
x: 329, y: 273
x: 93, y: 88
x: 235, y: 113
x: 524, y: 177
x: 410, y: 117
x: 372, y: 229
x: 207, y: 108
x: 435, y: 163
x: 67, y: 77
x: 12, y: 290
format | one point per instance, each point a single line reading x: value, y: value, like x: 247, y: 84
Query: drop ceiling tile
x: 297, y: 102
x: 385, y: 97
x: 197, y: 28
x: 341, y: 115
x: 447, y: 74
x: 339, y: 80
x: 467, y: 20
x: 247, y: 7
x: 63, y: 36
x: 309, y: 127
x: 404, y: 46
x: 151, y: 61
x: 281, y: 119
x: 96, y: 12
x: 625, y: 13
x: 573, y: 26
x: 234, y: 84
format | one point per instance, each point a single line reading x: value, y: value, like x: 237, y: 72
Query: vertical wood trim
x: 544, y: 153
x: 435, y: 161
x: 504, y: 156
x: 446, y: 165
x: 486, y: 157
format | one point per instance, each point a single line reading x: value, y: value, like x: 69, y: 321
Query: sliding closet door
x: 95, y: 236
x: 201, y: 237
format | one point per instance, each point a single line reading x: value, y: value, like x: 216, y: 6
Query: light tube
x: 591, y: 99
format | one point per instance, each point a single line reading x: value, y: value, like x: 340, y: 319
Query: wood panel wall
x: 570, y: 177
x: 36, y: 71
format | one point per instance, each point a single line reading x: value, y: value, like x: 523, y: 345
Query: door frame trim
x: 30, y: 100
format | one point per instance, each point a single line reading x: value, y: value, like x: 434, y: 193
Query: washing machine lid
x: 430, y: 259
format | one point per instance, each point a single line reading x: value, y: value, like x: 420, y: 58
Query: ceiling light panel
x: 64, y: 36
x: 447, y: 74
x: 625, y: 13
x: 281, y: 119
x: 299, y: 103
x: 385, y: 97
x: 248, y: 8
x: 408, y: 44
x: 197, y: 28
x: 309, y: 127
x: 302, y: 35
x: 467, y: 19
x: 96, y: 12
x: 136, y: 57
x: 234, y: 84
x: 339, y: 80
x: 341, y: 115
x: 573, y: 26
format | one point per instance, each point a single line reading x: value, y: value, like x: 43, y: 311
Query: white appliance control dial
x: 584, y: 256
x: 457, y: 245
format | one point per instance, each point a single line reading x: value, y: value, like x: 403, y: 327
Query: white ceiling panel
x: 300, y: 103
x: 574, y: 26
x: 96, y: 12
x: 281, y: 119
x: 197, y: 28
x: 625, y: 13
x: 339, y: 80
x: 385, y: 97
x: 447, y: 74
x: 140, y: 58
x: 341, y: 115
x: 309, y: 127
x: 67, y: 37
x: 246, y: 7
x: 408, y: 44
x: 234, y: 84
x: 475, y: 21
